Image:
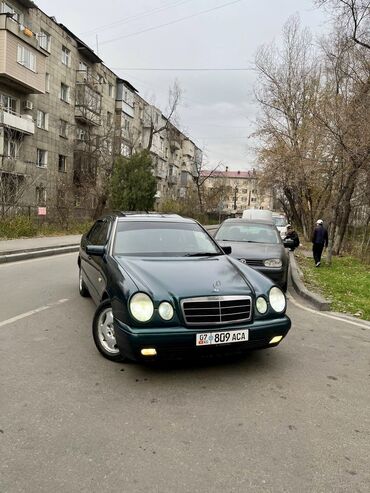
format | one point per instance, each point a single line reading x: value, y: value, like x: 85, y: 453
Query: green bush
x: 24, y: 227
x: 17, y: 227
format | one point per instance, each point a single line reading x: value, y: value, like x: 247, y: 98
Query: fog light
x: 149, y: 351
x: 275, y: 339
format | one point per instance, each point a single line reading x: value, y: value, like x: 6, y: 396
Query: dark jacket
x: 320, y: 235
x: 293, y: 235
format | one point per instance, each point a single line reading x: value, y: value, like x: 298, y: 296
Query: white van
x: 256, y: 214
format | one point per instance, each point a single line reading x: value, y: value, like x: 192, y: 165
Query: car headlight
x: 141, y: 307
x: 165, y: 310
x: 277, y: 299
x: 273, y: 262
x: 261, y: 305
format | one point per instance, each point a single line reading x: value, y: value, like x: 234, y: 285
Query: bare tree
x: 15, y: 181
x: 293, y: 153
x: 158, y: 125
x: 353, y: 19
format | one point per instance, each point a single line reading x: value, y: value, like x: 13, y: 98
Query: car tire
x: 82, y: 288
x: 103, y: 332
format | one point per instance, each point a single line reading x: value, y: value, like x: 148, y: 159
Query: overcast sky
x: 218, y: 110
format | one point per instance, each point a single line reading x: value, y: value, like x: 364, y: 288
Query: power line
x: 187, y: 69
x: 137, y: 16
x: 171, y: 22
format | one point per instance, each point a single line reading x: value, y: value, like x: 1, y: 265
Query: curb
x: 9, y: 257
x: 318, y: 301
x: 36, y: 249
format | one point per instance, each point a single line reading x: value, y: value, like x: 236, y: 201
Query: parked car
x: 257, y: 214
x: 256, y: 243
x: 164, y: 288
x: 281, y: 223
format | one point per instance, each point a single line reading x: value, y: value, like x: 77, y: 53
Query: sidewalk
x: 28, y: 248
x: 39, y: 243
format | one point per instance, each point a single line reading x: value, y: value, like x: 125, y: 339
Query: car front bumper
x: 278, y: 276
x: 179, y: 342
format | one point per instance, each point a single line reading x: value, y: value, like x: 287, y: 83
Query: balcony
x: 172, y: 179
x: 188, y: 148
x: 125, y: 107
x: 12, y: 38
x: 84, y: 169
x: 88, y: 105
x: 175, y: 145
x: 90, y: 79
x: 21, y: 123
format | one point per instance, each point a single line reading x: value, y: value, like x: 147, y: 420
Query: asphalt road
x: 291, y: 419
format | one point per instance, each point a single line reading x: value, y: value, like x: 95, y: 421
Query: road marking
x: 31, y: 312
x: 344, y: 320
x: 20, y: 262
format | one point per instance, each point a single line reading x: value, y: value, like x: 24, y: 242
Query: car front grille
x: 217, y: 310
x: 252, y: 262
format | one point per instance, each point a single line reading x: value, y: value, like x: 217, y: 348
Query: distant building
x: 237, y: 191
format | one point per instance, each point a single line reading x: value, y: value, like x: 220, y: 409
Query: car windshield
x: 279, y: 221
x: 162, y: 239
x: 248, y: 232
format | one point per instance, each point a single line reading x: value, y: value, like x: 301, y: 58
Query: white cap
x: 319, y: 221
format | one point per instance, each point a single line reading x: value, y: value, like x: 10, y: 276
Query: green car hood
x: 182, y: 277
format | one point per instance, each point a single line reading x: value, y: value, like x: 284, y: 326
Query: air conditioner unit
x: 27, y: 104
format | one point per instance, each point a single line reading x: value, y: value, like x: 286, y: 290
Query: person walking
x: 291, y: 234
x: 319, y: 241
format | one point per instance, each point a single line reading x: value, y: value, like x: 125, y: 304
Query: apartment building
x: 236, y: 191
x: 64, y: 116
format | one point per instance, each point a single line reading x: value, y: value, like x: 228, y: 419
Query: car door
x: 94, y: 266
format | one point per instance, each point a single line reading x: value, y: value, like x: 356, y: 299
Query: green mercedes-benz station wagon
x: 165, y: 289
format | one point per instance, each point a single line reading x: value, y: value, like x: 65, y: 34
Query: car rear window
x: 161, y: 239
x: 248, y: 232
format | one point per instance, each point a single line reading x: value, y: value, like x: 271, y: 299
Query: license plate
x: 225, y: 337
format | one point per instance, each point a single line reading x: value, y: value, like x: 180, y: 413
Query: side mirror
x: 98, y: 250
x: 226, y: 250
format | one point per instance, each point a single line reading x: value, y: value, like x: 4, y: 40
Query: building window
x: 64, y: 92
x: 127, y: 125
x: 11, y: 147
x: 47, y: 82
x: 41, y: 195
x: 81, y: 134
x: 42, y: 120
x: 26, y: 58
x: 7, y: 8
x: 62, y: 168
x: 82, y: 66
x: 110, y: 90
x: 8, y: 104
x: 109, y: 118
x: 253, y: 199
x: 63, y: 128
x: 66, y: 56
x: 44, y: 40
x: 42, y: 158
x: 125, y: 150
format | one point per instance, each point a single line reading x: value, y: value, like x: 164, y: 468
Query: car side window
x: 103, y: 234
x: 94, y: 234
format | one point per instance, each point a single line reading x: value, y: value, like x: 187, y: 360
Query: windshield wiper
x: 202, y: 254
